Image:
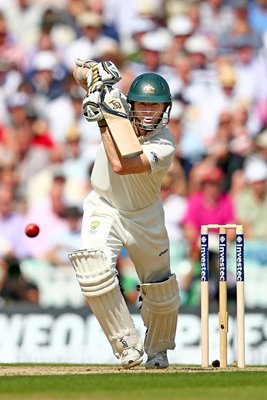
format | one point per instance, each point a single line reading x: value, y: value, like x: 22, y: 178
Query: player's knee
x: 93, y: 272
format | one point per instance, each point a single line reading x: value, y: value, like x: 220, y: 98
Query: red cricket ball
x: 32, y: 230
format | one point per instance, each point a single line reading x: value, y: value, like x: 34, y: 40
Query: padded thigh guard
x: 100, y: 286
x: 160, y: 312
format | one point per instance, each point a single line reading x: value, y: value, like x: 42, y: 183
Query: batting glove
x: 91, y: 109
x: 95, y: 96
x: 117, y: 94
x: 92, y: 72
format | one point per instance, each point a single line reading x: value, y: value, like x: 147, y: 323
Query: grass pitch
x: 95, y: 383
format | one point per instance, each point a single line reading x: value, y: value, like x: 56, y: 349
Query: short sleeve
x: 160, y: 154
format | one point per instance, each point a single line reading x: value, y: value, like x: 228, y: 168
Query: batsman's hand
x: 96, y: 96
x: 108, y: 73
x: 81, y: 70
x: 89, y: 73
x: 115, y: 94
x: 91, y: 103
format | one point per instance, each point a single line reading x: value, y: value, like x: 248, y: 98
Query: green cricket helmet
x: 150, y: 88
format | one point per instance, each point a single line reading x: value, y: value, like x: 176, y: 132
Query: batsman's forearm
x: 120, y: 165
x: 111, y: 149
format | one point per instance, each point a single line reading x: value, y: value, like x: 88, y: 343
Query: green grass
x: 237, y: 385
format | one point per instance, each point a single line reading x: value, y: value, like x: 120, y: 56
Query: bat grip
x: 95, y: 74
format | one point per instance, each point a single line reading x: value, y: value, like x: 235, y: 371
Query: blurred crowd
x: 213, y: 53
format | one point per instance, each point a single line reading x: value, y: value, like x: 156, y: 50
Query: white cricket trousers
x: 142, y: 233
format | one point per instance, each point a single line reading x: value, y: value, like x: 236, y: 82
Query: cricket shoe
x: 131, y: 357
x: 157, y: 361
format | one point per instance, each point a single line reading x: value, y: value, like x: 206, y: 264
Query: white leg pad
x: 100, y: 286
x: 160, y: 313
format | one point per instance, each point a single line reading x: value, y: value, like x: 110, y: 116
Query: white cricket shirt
x: 134, y: 192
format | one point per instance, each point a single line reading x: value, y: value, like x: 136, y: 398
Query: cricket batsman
x: 124, y: 209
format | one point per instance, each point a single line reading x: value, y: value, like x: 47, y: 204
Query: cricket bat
x: 116, y: 118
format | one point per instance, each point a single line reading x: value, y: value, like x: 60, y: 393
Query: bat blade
x: 120, y: 127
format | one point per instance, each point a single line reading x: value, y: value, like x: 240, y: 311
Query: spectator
x: 197, y: 78
x: 152, y: 51
x: 115, y: 55
x: 67, y: 16
x: 75, y: 165
x: 251, y: 76
x: 181, y: 28
x: 261, y: 144
x: 140, y: 27
x: 43, y: 76
x: 26, y: 140
x: 109, y: 29
x: 9, y: 177
x: 173, y: 195
x: 23, y: 18
x: 194, y: 16
x: 183, y: 67
x: 174, y: 204
x: 12, y: 61
x: 88, y: 45
x: 47, y: 213
x: 222, y: 97
x: 258, y: 15
x: 251, y: 201
x: 216, y: 18
x: 10, y: 51
x: 240, y: 28
x: 175, y: 125
x: 62, y: 242
x: 12, y: 224
x: 201, y: 52
x: 231, y: 144
x: 209, y: 205
x: 14, y: 286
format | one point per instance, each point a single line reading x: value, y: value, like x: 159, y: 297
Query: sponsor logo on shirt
x: 94, y: 225
x: 154, y: 157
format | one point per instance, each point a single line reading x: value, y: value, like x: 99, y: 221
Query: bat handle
x: 96, y: 79
x: 95, y: 74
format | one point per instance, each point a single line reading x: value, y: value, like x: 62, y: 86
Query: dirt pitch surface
x: 45, y: 370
